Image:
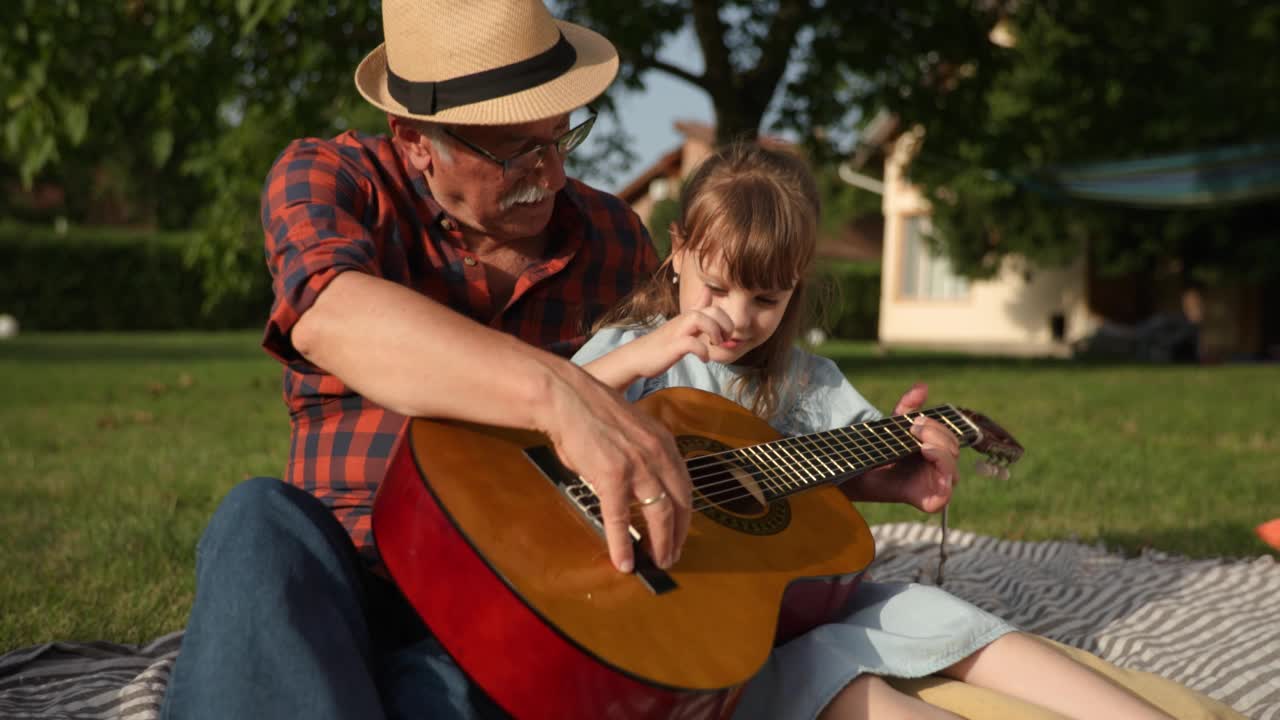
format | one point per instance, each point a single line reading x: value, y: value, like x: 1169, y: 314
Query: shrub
x: 847, y: 294
x: 112, y: 279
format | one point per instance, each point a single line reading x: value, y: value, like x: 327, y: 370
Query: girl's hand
x: 926, y: 480
x: 692, y: 331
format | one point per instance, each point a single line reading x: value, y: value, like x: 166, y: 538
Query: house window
x: 926, y: 276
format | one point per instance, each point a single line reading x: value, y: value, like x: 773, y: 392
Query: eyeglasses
x: 531, y: 158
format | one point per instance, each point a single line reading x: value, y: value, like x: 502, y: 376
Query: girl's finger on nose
x: 722, y: 319
x: 709, y: 328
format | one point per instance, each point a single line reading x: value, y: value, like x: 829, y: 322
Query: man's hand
x: 629, y: 459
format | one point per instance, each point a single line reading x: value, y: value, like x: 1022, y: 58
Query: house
x: 1022, y: 310
x: 1030, y: 310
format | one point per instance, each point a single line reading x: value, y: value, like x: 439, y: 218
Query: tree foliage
x: 1085, y: 81
x: 175, y: 109
x: 815, y: 64
x: 1090, y: 81
x: 170, y: 111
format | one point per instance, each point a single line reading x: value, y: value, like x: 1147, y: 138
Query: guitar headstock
x: 995, y: 442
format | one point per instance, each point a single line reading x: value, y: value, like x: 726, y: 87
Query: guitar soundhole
x: 727, y: 488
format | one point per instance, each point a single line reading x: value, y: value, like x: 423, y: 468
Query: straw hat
x: 483, y: 62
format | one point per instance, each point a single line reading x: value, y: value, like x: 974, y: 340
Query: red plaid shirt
x: 352, y: 203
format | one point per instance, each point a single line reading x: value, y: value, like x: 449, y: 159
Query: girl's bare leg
x: 870, y: 698
x: 1019, y: 665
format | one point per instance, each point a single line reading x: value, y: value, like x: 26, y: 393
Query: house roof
x: 670, y: 163
x: 861, y: 239
x: 666, y: 165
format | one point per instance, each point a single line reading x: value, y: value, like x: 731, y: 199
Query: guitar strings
x: 831, y: 449
x: 846, y: 445
x: 779, y: 481
x: 778, y: 478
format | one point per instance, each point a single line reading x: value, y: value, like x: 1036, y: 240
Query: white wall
x: 1008, y: 314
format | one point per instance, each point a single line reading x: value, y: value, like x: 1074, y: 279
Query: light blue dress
x: 894, y: 629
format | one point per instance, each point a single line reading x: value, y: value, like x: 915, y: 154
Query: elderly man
x: 445, y: 271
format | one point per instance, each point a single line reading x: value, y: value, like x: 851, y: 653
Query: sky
x: 649, y: 117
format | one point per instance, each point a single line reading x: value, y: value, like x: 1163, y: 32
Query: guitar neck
x: 797, y: 463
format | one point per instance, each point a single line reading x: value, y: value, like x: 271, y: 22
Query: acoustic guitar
x: 499, y: 548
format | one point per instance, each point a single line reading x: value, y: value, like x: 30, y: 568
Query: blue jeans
x: 288, y: 623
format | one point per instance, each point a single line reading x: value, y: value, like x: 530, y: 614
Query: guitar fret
x: 831, y: 453
x: 778, y: 478
x: 891, y: 425
x: 783, y: 462
x: 957, y: 430
x: 852, y: 440
x: 788, y: 464
x: 899, y: 429
x: 783, y: 481
x: 821, y: 457
x: 816, y: 474
x: 859, y: 454
x: 787, y: 482
x: 912, y: 442
x: 772, y: 481
x: 872, y: 444
x: 796, y: 467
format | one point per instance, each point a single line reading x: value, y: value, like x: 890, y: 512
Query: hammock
x: 1209, y: 178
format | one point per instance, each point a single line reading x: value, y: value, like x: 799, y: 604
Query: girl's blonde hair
x: 759, y: 207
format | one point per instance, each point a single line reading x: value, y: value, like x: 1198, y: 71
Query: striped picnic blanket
x: 1211, y: 625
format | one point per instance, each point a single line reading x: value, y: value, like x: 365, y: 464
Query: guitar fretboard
x: 789, y: 465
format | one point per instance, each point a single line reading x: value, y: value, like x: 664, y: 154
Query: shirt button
x: 470, y: 261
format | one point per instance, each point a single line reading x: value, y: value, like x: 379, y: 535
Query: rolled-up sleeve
x: 312, y: 207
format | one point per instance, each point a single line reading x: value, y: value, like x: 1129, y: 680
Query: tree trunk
x: 735, y: 121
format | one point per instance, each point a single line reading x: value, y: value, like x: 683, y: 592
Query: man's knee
x: 263, y: 521
x: 260, y: 512
x: 248, y: 505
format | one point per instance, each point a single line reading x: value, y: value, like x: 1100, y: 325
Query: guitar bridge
x: 584, y: 499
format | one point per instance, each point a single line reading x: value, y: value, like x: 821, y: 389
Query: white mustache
x: 526, y: 194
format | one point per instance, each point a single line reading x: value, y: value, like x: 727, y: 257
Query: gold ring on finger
x: 651, y: 500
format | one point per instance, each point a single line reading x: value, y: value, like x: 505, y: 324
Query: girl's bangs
x: 766, y: 244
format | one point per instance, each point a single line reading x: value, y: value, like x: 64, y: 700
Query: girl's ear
x: 677, y: 260
x: 677, y: 247
x: 673, y: 232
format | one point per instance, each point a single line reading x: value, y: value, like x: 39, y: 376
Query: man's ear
x: 415, y: 146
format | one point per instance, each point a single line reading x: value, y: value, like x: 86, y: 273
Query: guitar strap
x: 942, y: 553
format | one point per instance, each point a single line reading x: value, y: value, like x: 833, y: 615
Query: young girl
x: 722, y: 314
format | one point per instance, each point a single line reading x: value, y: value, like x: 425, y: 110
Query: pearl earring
x: 675, y: 278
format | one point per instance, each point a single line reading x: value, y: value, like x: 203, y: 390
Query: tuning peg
x: 987, y: 469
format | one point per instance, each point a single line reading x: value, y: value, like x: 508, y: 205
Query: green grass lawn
x: 115, y: 448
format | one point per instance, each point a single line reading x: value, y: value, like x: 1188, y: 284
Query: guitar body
x: 516, y: 581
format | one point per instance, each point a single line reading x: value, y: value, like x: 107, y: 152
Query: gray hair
x: 434, y: 133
